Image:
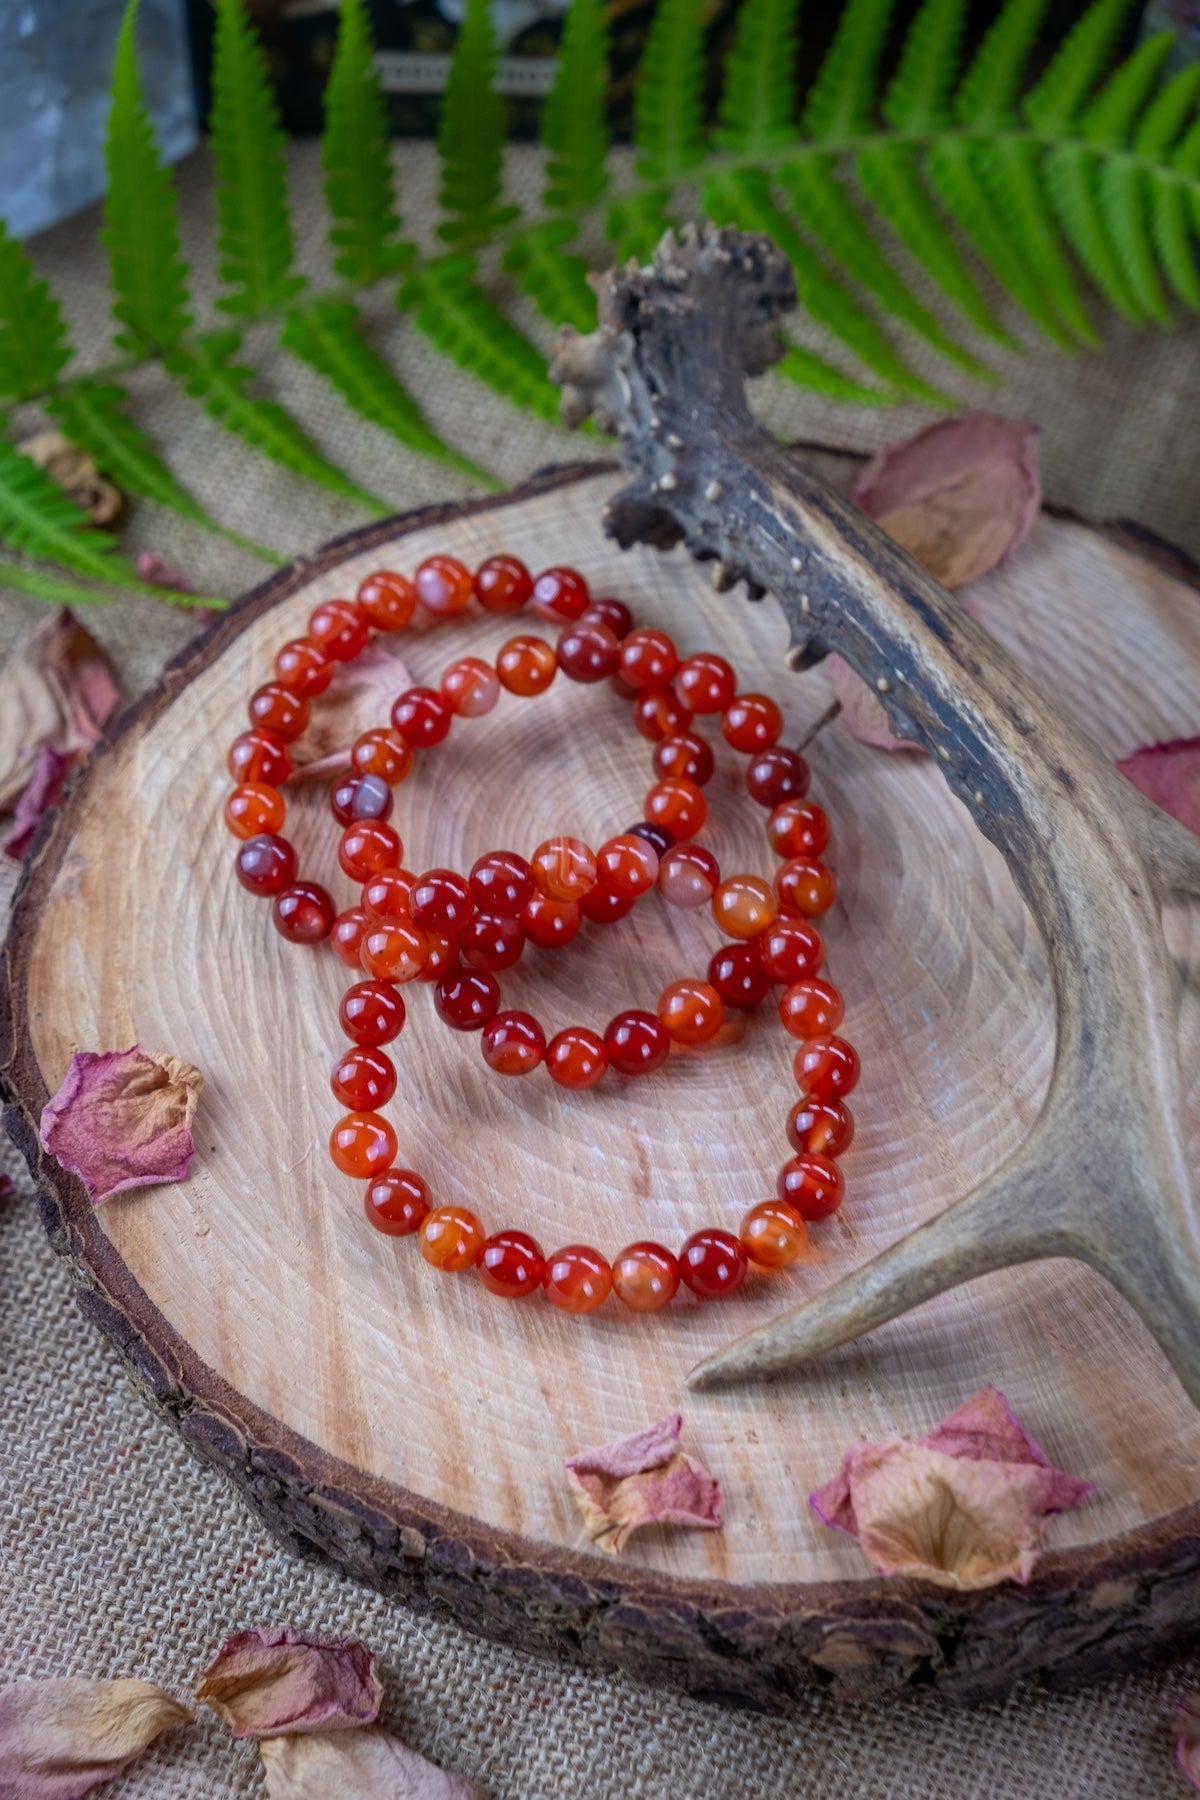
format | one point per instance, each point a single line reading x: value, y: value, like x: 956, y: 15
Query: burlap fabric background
x: 119, y: 1554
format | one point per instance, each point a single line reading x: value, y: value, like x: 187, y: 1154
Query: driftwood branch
x: 1104, y: 1176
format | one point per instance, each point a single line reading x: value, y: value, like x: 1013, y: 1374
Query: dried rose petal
x: 44, y: 790
x: 367, y: 1764
x: 361, y: 694
x: 964, y: 1506
x: 155, y: 570
x: 1169, y: 774
x: 642, y: 1480
x: 7, y: 1187
x: 122, y: 1119
x: 265, y: 1683
x: 56, y: 689
x: 59, y: 1739
x: 1187, y: 1738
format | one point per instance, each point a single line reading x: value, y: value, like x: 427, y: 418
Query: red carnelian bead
x: 254, y: 809
x: 751, y: 722
x: 341, y: 628
x: 587, y: 652
x: 349, y: 929
x: 576, y: 1058
x: 713, y: 1264
x: 368, y: 846
x: 627, y: 866
x: 550, y: 923
x: 363, y: 1143
x: 823, y: 1126
x: 441, y: 901
x: 303, y: 913
x: 614, y: 614
x: 774, y: 1235
x: 489, y: 942
x: 705, y: 682
x: 502, y: 584
x: 660, y: 713
x: 560, y: 594
x: 511, y: 1264
x: 422, y: 717
x: 501, y: 882
x: 526, y: 665
x: 394, y: 950
x: 636, y: 1042
x: 441, y: 955
x: 466, y: 999
x: 266, y: 864
x: 684, y: 755
x: 603, y: 907
x: 798, y: 828
x: 648, y: 659
x: 513, y: 1043
x: 805, y: 887
x: 383, y: 753
x: 790, y: 950
x: 470, y: 687
x: 387, y: 599
x: 397, y: 1202
x: 304, y: 667
x: 688, y: 876
x: 259, y: 756
x: 280, y: 709
x: 812, y: 1184
x: 451, y: 1238
x: 388, y: 894
x: 738, y: 976
x: 777, y: 775
x: 372, y: 1012
x: 361, y: 797
x: 826, y: 1068
x: 691, y: 1011
x: 811, y: 1008
x: 678, y: 807
x: 364, y: 1078
x: 645, y: 1276
x: 563, y: 868
x: 443, y: 585
x: 577, y: 1279
x: 744, y: 905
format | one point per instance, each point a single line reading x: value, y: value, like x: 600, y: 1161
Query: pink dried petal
x: 365, y: 1765
x: 122, y: 1119
x: 154, y: 569
x: 56, y: 689
x: 1187, y: 1738
x: 1169, y: 774
x: 266, y: 1683
x: 642, y: 1480
x: 44, y: 790
x: 361, y: 694
x: 7, y: 1187
x: 60, y: 1739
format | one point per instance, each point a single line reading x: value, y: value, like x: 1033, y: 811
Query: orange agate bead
x: 526, y: 665
x: 254, y: 808
x: 798, y: 828
x: 444, y: 586
x: 394, y: 951
x: 678, y: 806
x: 576, y: 1058
x: 362, y: 1143
x: 645, y: 1277
x: 563, y: 868
x: 774, y: 1235
x: 384, y: 753
x: 396, y: 1202
x: 577, y: 1279
x: 627, y: 866
x: 744, y: 905
x: 274, y: 707
x: 259, y: 755
x: 751, y: 722
x: 303, y: 666
x: 692, y: 1011
x: 470, y: 687
x: 451, y: 1238
x: 388, y: 599
x: 805, y: 887
x: 811, y: 1008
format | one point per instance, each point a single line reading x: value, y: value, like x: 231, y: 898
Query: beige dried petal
x: 359, y: 699
x: 644, y: 1479
x: 123, y: 1119
x: 57, y: 688
x: 59, y: 1739
x: 368, y: 1764
x: 264, y: 1683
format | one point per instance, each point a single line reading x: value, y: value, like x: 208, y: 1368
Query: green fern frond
x: 471, y: 136
x: 918, y: 98
x: 573, y: 125
x: 987, y: 95
x: 758, y: 100
x: 1168, y: 113
x: 555, y: 280
x: 356, y: 156
x: 1186, y: 158
x: 1114, y: 112
x: 1073, y: 178
x: 141, y: 217
x: 668, y: 107
x: 1123, y: 196
x: 33, y: 333
x: 810, y: 371
x: 60, y: 590
x: 1011, y: 170
x: 1172, y: 226
x: 635, y: 222
x: 1061, y: 94
x: 254, y: 233
x: 450, y: 308
x: 38, y: 519
x: 842, y: 98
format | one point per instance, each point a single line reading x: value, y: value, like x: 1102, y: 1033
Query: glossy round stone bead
x: 827, y: 1068
x: 676, y: 806
x: 776, y: 775
x: 823, y: 1126
x: 603, y: 907
x: 503, y: 584
x: 360, y: 797
x: 363, y: 1143
x: 363, y: 1079
x: 526, y: 666
x: 341, y: 628
x: 587, y: 653
x: 384, y: 754
x: 349, y: 929
x: 660, y: 713
x: 266, y: 864
x: 576, y: 1057
x: 421, y: 717
x: 773, y: 1235
x: 388, y: 894
x: 511, y: 1265
x: 394, y: 950
x: 491, y: 943
x: 274, y: 707
x: 811, y: 1008
x: 397, y: 1202
x: 654, y: 835
x: 751, y: 722
x: 688, y: 876
x: 637, y: 1043
x: 798, y: 828
x: 713, y: 1264
x: 790, y: 950
x: 645, y: 1276
x: 303, y: 913
x: 577, y: 1279
x: 684, y: 755
x: 303, y: 666
x: 451, y: 1239
x: 444, y: 585
x: 705, y: 683
x: 441, y: 901
x: 560, y: 594
x: 372, y: 1012
x: 502, y: 883
x: 806, y: 888
x: 513, y: 1043
x: 441, y: 955
x: 692, y: 1012
x: 812, y: 1184
x: 550, y: 923
x: 367, y: 846
x: 627, y: 866
x: 744, y: 906
x: 254, y: 809
x: 259, y: 756
x: 466, y: 999
x: 648, y: 660
x: 613, y: 614
x: 564, y: 868
x: 470, y: 687
x: 388, y: 599
x: 739, y: 976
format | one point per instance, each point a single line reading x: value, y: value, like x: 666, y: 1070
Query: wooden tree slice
x: 411, y: 1427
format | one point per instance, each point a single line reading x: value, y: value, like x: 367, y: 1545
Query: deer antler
x: 1104, y: 1174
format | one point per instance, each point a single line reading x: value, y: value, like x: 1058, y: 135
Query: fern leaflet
x: 1060, y: 95
x: 987, y: 95
x: 668, y: 111
x: 758, y: 100
x: 918, y: 98
x: 33, y: 333
x: 254, y: 233
x: 356, y: 156
x: 555, y: 280
x: 1010, y: 170
x: 1123, y: 194
x: 1072, y: 176
x: 842, y: 98
x: 809, y: 371
x: 1168, y: 113
x: 453, y: 312
x: 471, y: 136
x: 1170, y: 223
x: 1114, y: 112
x: 573, y: 126
x: 38, y: 519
